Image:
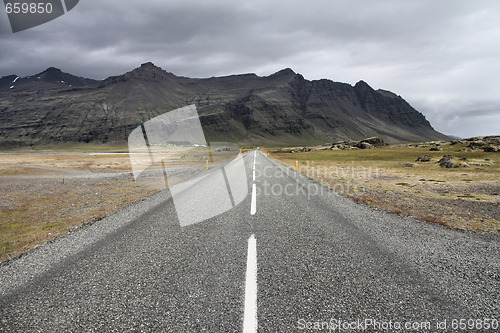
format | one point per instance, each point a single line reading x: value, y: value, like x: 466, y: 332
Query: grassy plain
x: 389, y: 178
x: 46, y: 194
x: 46, y: 191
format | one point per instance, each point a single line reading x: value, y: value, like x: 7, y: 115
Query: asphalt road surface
x: 290, y: 257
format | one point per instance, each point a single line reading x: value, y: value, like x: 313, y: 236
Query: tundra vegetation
x: 454, y: 183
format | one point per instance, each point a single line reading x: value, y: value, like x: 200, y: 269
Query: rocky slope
x: 280, y: 109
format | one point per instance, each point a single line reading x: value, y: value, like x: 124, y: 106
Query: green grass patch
x: 393, y: 157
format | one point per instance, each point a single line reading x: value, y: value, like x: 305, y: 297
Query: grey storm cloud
x: 441, y: 56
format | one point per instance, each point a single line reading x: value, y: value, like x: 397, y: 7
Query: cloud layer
x: 441, y: 56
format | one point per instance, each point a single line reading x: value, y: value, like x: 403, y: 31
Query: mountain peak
x: 52, y: 74
x: 287, y: 70
x: 147, y: 72
x: 50, y: 77
x: 52, y: 70
x: 149, y: 64
x: 362, y: 84
x: 284, y: 72
x: 363, y: 88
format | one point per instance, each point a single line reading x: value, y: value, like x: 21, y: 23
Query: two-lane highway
x: 290, y: 257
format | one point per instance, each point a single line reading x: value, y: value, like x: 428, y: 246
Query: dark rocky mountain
x: 280, y: 109
x: 49, y: 78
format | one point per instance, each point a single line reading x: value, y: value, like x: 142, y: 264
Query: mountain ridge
x: 282, y: 108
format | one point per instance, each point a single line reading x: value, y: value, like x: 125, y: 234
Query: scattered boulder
x: 365, y: 145
x: 493, y: 139
x: 368, y: 143
x: 489, y: 143
x: 446, y: 162
x: 300, y: 150
x: 343, y: 146
x: 477, y: 144
x: 445, y: 158
x: 424, y: 158
x: 409, y: 165
x: 489, y: 149
x: 374, y: 141
x: 221, y: 149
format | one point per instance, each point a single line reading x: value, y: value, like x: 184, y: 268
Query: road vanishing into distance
x: 291, y: 257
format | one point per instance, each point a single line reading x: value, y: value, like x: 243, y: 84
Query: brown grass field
x: 465, y: 198
x: 47, y: 191
x: 45, y: 195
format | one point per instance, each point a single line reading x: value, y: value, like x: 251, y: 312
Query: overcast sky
x: 443, y: 57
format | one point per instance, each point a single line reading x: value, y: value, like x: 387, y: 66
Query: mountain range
x: 281, y: 109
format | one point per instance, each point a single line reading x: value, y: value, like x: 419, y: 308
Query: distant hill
x: 280, y: 109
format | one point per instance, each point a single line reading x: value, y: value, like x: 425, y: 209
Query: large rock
x: 492, y: 148
x: 446, y: 162
x: 477, y: 144
x: 365, y: 145
x: 375, y: 141
x: 424, y: 158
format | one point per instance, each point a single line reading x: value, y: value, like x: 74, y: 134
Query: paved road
x: 321, y: 259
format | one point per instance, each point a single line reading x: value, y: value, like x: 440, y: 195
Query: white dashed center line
x: 253, y: 205
x: 250, y: 316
